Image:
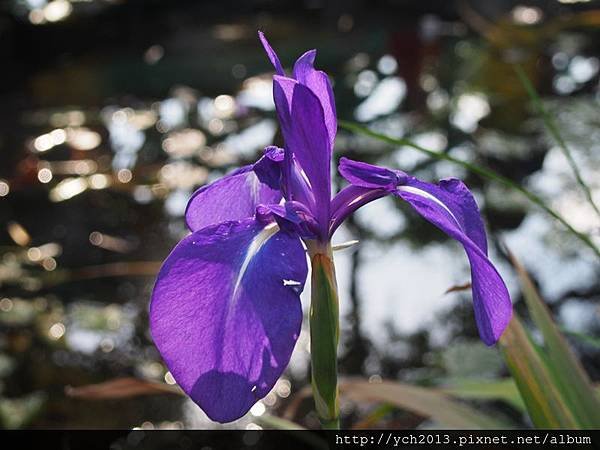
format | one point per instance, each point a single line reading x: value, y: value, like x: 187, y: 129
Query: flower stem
x: 324, y: 335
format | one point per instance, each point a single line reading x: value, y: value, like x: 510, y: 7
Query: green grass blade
x: 505, y: 390
x: 544, y: 401
x: 568, y: 372
x: 555, y: 133
x: 481, y: 171
x: 589, y: 340
x: 425, y: 402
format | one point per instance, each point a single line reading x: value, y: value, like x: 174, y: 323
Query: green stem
x: 324, y: 334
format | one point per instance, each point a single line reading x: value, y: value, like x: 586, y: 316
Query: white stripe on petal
x: 428, y: 196
x: 257, y: 243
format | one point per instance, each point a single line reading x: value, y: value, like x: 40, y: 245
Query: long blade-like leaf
x: 121, y: 388
x: 504, y: 389
x: 545, y: 403
x: 568, y: 372
x: 582, y: 337
x: 481, y: 171
x: 555, y: 132
x: 425, y: 402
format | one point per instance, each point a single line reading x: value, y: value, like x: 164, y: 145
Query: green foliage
x: 555, y: 133
x: 565, y: 383
x: 545, y: 403
x: 554, y: 388
x: 426, y: 402
x: 471, y: 389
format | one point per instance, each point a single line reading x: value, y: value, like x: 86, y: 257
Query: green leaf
x: 505, y: 390
x: 569, y: 375
x: 425, y: 402
x: 555, y: 132
x: 589, y: 340
x: 545, y: 403
x: 373, y: 417
x: 481, y: 171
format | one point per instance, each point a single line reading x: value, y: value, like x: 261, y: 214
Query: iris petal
x: 369, y: 176
x: 318, y: 82
x: 293, y: 217
x: 306, y: 138
x: 349, y: 200
x: 451, y: 207
x: 271, y: 54
x: 225, y: 313
x: 456, y: 198
x: 235, y: 196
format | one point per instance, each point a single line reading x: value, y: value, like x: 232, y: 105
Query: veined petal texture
x: 306, y: 138
x: 318, y: 82
x: 271, y: 54
x: 226, y: 314
x: 235, y: 196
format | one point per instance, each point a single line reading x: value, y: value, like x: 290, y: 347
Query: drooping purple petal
x: 271, y: 54
x: 306, y: 138
x: 451, y: 207
x: 236, y: 196
x: 225, y: 313
x: 452, y: 196
x: 318, y: 82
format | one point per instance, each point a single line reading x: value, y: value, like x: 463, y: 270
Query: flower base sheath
x: 225, y: 311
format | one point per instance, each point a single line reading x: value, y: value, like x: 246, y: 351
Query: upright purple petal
x: 306, y: 138
x: 318, y: 82
x: 451, y: 207
x: 271, y: 54
x: 292, y: 181
x: 225, y: 313
x: 235, y: 196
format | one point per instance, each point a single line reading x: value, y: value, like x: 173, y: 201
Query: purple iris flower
x: 225, y: 311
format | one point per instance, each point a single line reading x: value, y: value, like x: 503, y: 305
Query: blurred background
x: 112, y: 112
